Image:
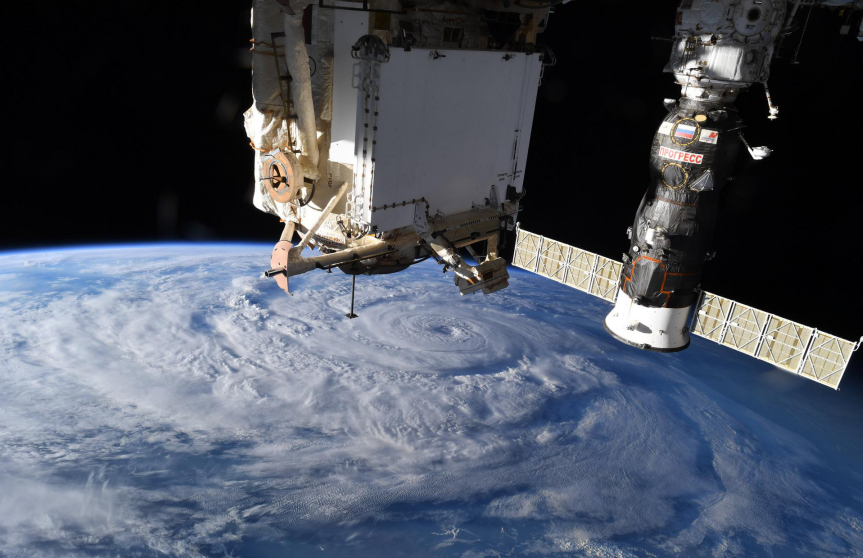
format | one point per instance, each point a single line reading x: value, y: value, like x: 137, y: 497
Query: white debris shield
x: 655, y: 329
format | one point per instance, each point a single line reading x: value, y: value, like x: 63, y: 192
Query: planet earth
x: 163, y: 400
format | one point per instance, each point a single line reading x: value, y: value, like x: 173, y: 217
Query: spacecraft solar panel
x: 605, y: 278
x: 826, y: 359
x: 553, y: 259
x: 526, y: 250
x: 785, y: 342
x: 580, y: 269
x: 744, y: 329
x: 794, y: 347
x: 712, y: 316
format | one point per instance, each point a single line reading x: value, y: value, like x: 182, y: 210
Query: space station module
x: 386, y: 134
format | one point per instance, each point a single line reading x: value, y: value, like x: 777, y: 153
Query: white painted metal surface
x: 796, y: 348
x: 467, y: 115
x: 656, y: 329
x: 348, y: 27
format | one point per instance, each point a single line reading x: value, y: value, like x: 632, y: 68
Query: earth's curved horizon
x: 161, y: 400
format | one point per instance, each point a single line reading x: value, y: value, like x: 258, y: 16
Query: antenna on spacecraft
x: 350, y: 315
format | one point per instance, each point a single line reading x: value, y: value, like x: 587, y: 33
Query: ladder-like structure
x: 794, y: 347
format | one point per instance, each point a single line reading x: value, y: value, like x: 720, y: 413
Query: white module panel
x: 348, y: 27
x: 451, y: 124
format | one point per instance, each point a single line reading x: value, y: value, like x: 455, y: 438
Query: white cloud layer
x: 159, y: 403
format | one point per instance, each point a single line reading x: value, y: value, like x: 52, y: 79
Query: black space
x: 124, y: 123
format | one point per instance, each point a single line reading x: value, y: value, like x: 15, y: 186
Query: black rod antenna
x: 350, y: 315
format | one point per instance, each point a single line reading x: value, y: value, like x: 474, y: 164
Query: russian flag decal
x: 684, y: 131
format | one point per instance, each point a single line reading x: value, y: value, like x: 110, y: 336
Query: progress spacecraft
x: 387, y: 132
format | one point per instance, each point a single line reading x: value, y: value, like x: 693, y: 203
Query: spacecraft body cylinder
x: 674, y: 225
x: 721, y: 48
x: 690, y: 161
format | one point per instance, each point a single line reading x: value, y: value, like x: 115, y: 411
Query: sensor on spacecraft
x: 389, y: 132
